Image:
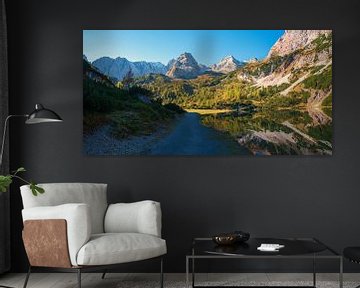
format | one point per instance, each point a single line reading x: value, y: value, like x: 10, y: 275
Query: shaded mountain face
x: 91, y: 72
x: 227, y: 64
x: 119, y: 67
x: 293, y: 40
x: 185, y: 67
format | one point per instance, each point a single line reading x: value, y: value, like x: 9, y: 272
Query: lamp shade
x: 42, y: 115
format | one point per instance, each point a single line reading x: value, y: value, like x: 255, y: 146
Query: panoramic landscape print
x: 207, y: 92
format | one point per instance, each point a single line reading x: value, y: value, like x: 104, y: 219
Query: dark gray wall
x: 276, y: 196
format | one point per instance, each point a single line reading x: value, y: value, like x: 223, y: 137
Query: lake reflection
x: 281, y: 132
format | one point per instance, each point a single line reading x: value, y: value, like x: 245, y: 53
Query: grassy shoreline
x: 209, y: 111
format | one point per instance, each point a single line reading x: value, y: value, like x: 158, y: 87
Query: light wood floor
x: 68, y: 280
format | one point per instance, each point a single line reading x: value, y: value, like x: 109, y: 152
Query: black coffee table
x: 295, y: 248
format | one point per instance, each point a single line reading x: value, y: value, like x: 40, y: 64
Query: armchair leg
x: 79, y: 278
x: 27, y: 277
x: 103, y: 275
x: 161, y: 272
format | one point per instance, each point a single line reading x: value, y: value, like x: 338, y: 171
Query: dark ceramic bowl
x: 225, y: 239
x: 231, y: 238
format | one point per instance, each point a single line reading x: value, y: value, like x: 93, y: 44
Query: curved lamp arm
x: 4, y: 134
x: 39, y: 115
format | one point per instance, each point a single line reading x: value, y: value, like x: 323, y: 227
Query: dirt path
x: 187, y: 136
x: 190, y: 137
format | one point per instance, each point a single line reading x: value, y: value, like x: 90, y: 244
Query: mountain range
x: 117, y: 68
x: 183, y: 67
x: 296, y: 72
x: 186, y: 67
x: 298, y: 66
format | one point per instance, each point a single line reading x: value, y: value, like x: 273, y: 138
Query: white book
x: 270, y: 247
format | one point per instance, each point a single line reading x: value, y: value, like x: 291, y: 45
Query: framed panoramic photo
x: 207, y: 92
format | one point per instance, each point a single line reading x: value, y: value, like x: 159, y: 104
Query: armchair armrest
x: 138, y: 217
x: 77, y: 217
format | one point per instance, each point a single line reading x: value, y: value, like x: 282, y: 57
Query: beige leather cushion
x: 92, y: 194
x: 113, y: 248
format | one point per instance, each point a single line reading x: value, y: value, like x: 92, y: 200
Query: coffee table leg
x: 314, y: 271
x: 187, y: 272
x: 193, y: 272
x: 341, y: 273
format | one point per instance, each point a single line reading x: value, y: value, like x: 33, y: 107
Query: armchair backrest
x: 55, y: 194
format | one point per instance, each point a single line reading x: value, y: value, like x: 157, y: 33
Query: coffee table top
x: 293, y: 247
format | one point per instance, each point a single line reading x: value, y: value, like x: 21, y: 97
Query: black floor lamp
x: 39, y: 115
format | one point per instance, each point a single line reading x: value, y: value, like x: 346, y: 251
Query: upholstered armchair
x: 71, y: 228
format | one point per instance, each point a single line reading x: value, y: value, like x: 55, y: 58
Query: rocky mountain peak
x: 293, y: 40
x: 187, y: 59
x: 229, y: 57
x: 185, y: 66
x: 227, y: 64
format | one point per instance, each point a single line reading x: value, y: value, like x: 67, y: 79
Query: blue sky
x: 207, y: 46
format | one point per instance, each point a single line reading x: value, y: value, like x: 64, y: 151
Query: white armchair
x: 72, y: 228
